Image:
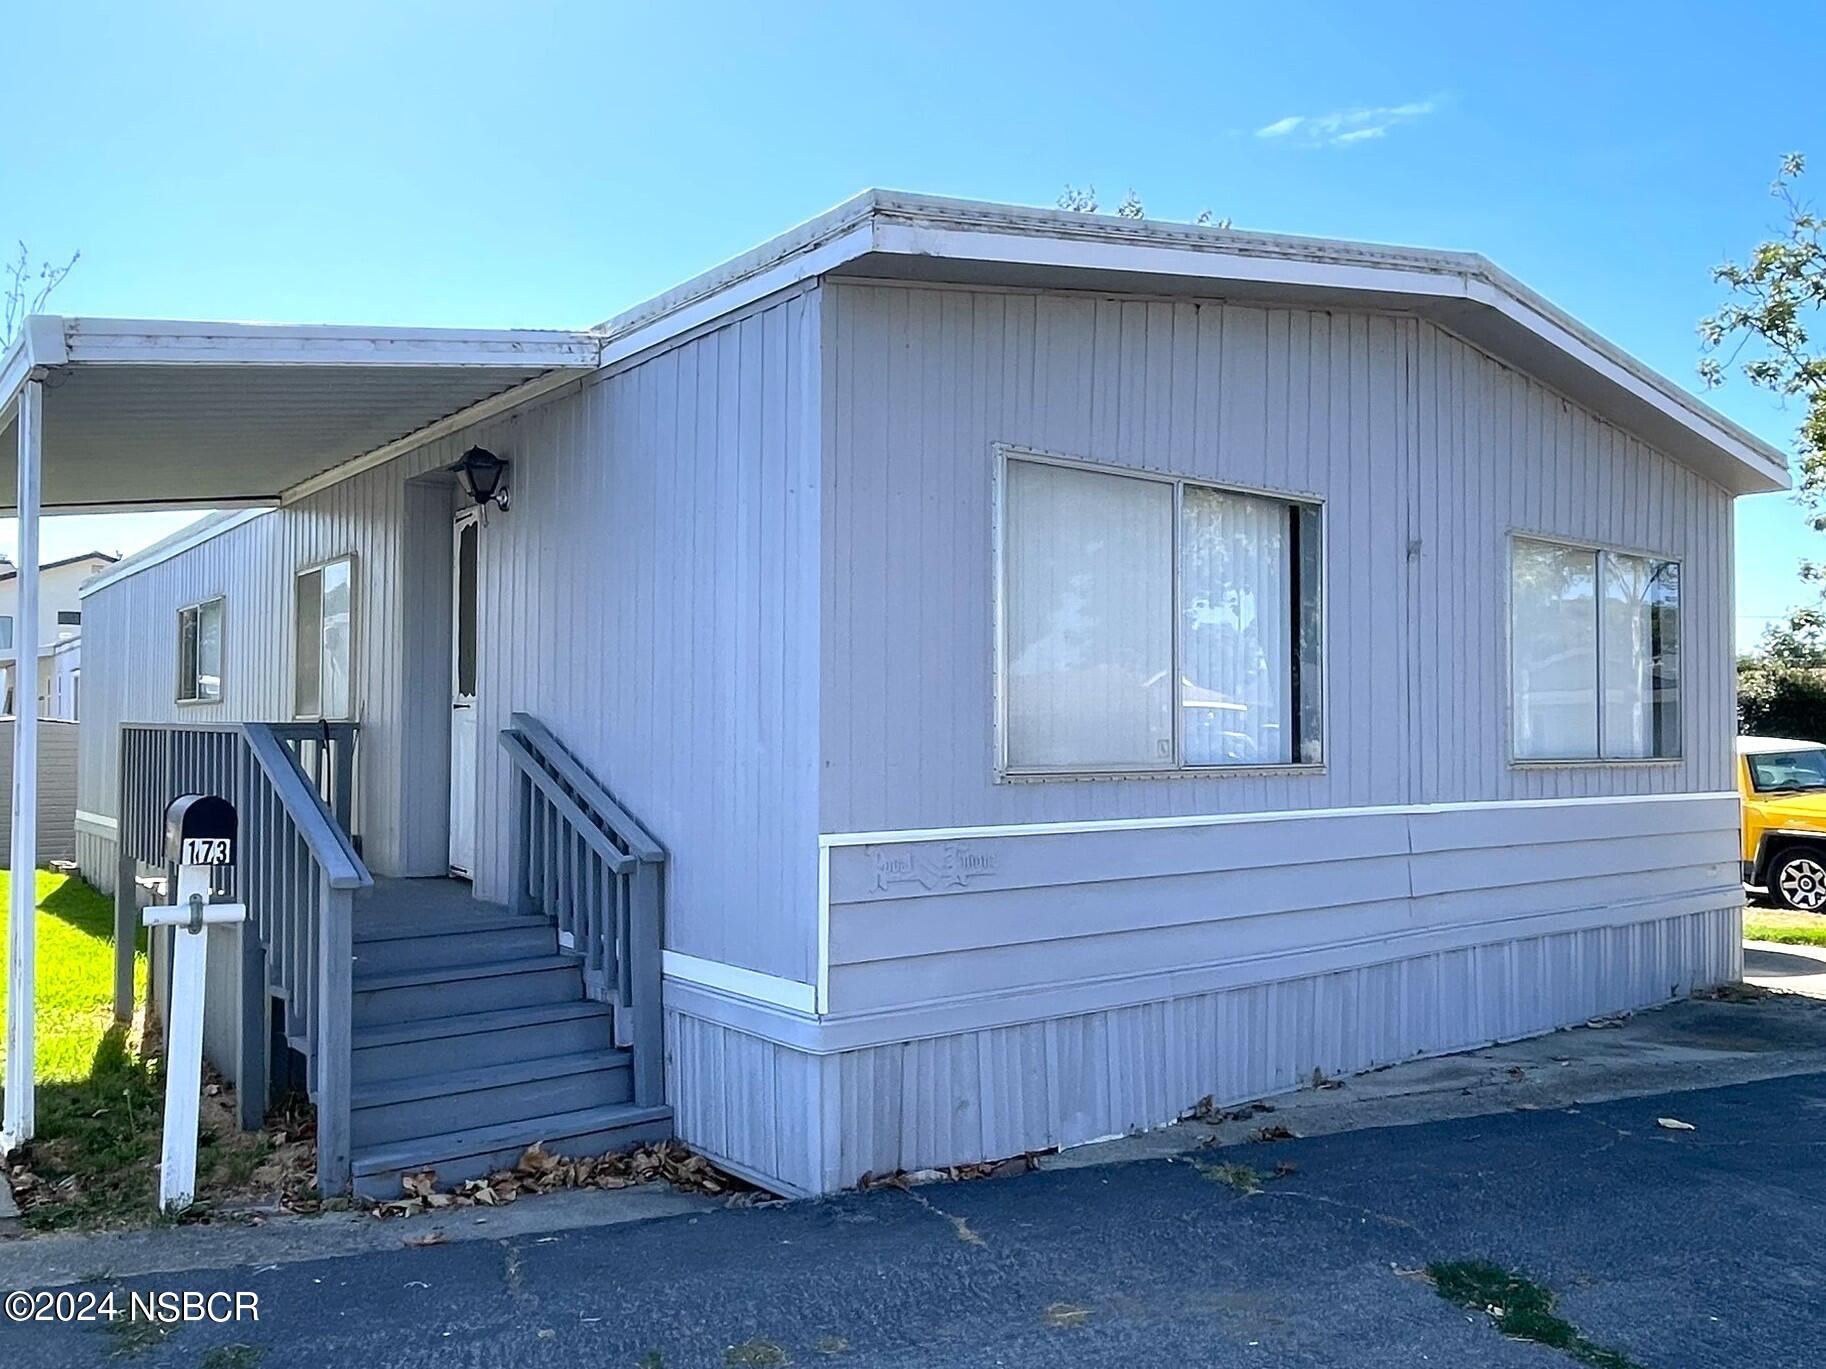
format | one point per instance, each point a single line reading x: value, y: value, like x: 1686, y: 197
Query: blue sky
x: 549, y: 164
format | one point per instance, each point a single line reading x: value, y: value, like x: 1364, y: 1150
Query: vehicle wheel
x: 1799, y: 880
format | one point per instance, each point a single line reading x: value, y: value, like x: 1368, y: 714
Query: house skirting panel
x: 804, y: 1120
x: 95, y: 848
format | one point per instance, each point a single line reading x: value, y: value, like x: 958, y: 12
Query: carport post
x: 21, y: 999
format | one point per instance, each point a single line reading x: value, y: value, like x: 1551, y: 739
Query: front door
x: 463, y: 646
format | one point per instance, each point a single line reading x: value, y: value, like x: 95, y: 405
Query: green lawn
x: 1778, y: 924
x: 101, y: 1084
x: 99, y: 1102
x: 75, y: 974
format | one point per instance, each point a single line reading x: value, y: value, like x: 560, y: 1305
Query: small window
x: 6, y: 632
x: 200, y: 653
x: 1154, y: 624
x: 1594, y: 652
x: 322, y: 624
x: 69, y: 617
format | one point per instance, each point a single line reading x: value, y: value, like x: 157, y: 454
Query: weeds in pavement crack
x: 1520, y: 1308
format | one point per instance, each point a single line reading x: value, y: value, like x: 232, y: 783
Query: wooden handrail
x: 329, y: 845
x: 566, y: 860
x: 635, y: 837
x: 592, y: 836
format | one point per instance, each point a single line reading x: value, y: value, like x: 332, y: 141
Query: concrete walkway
x: 1790, y: 969
x: 1692, y: 1043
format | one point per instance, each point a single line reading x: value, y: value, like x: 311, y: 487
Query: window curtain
x: 1554, y: 647
x: 1641, y: 642
x: 1236, y: 628
x: 1629, y: 657
x: 209, y: 650
x: 1088, y: 619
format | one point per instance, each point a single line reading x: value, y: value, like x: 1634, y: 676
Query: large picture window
x: 1155, y: 624
x: 322, y: 655
x: 200, y: 653
x: 1594, y: 652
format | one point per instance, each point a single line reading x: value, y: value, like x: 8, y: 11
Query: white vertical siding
x: 1427, y: 453
x: 818, y: 1118
x: 651, y: 596
x: 1497, y: 453
x: 986, y: 1094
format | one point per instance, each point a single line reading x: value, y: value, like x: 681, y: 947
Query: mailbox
x: 200, y: 830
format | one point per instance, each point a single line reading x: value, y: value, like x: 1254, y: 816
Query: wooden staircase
x: 472, y: 1039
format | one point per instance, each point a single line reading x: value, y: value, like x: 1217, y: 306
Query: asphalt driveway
x: 1696, y: 1247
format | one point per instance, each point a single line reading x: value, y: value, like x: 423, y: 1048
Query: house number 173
x: 207, y: 851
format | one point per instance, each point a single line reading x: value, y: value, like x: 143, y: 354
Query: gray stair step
x: 464, y: 1099
x: 481, y: 942
x: 402, y: 996
x: 429, y: 1044
x: 478, y: 1151
x: 389, y: 926
x: 474, y: 1023
x: 463, y: 1080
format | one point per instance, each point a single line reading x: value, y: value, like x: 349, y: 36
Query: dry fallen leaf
x: 429, y: 1238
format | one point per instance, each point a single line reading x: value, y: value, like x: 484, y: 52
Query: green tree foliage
x: 1799, y: 642
x: 1772, y: 321
x: 1770, y: 328
x: 1777, y: 700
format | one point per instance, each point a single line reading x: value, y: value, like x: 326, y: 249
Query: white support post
x: 21, y: 1046
x: 191, y: 918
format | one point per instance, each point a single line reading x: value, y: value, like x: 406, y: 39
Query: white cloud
x: 1346, y: 126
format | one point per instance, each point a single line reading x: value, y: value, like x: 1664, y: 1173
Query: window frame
x: 317, y: 568
x: 1178, y: 769
x: 194, y: 699
x: 1599, y: 549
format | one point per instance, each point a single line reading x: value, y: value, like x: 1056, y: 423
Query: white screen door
x: 463, y: 648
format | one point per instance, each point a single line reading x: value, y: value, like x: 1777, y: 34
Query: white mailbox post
x: 199, y: 835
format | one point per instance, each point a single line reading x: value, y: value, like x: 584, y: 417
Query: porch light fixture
x: 484, y: 476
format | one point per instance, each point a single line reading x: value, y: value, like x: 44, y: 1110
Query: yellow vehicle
x: 1783, y: 786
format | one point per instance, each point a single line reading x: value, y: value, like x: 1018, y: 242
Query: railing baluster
x: 624, y: 963
x: 586, y: 864
x: 535, y: 849
x: 517, y: 819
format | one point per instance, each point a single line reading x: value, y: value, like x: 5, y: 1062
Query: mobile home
x: 954, y: 681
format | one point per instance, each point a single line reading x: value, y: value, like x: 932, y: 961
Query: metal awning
x: 144, y: 414
x: 102, y: 415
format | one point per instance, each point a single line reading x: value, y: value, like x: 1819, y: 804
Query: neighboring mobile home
x: 59, y: 629
x: 1049, y: 669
